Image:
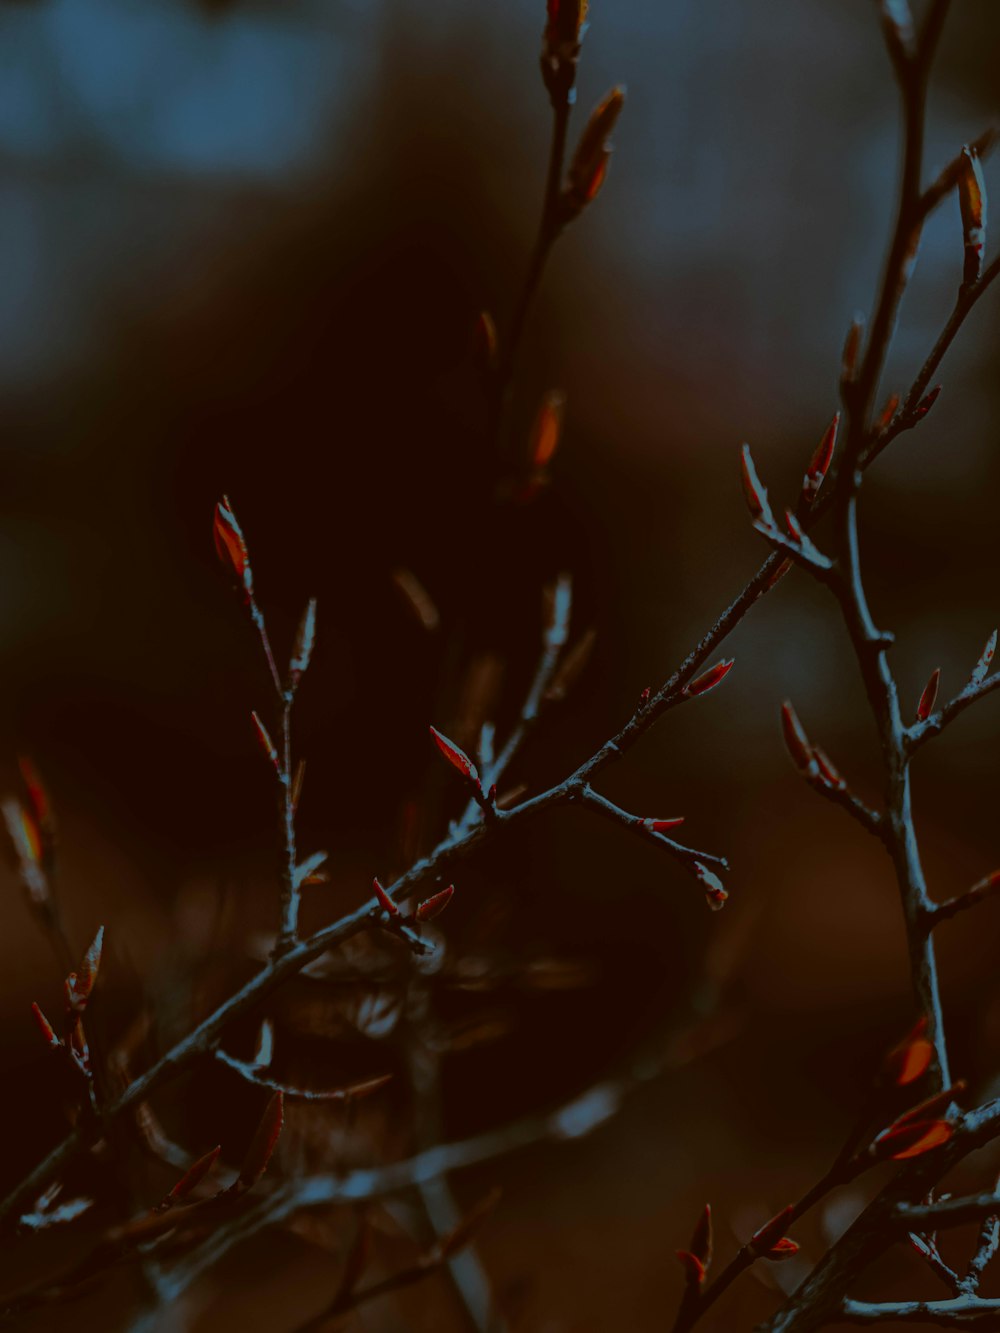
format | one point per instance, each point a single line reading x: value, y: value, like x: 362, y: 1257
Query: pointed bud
x: 901, y: 1142
x: 827, y: 768
x: 662, y: 825
x: 435, y: 905
x: 561, y: 47
x: 694, y: 1269
x: 796, y: 741
x: 852, y: 346
x: 765, y: 1238
x: 708, y: 680
x: 230, y: 545
x: 456, y: 756
x: 981, y: 669
x: 38, y: 798
x: 546, y: 430
x: 190, y: 1180
x: 305, y: 638
x: 911, y: 1059
x: 701, y: 1240
x: 932, y: 1107
x: 785, y: 1248
x: 753, y: 491
x: 264, y: 740
x: 589, y: 167
x: 972, y: 200
x: 644, y: 697
x: 262, y: 1145
x: 384, y: 901
x: 888, y: 412
x: 794, y: 527
x: 819, y: 464
x: 45, y: 1028
x: 80, y: 984
x: 926, y: 705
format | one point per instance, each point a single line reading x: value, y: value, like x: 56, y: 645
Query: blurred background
x: 243, y: 247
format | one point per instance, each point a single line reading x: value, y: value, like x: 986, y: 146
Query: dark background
x: 243, y: 248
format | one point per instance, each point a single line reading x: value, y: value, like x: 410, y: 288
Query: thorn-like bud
x: 900, y: 1142
x: 264, y: 740
x: 797, y: 742
x: 927, y: 699
x: 435, y: 905
x: 45, y: 1028
x: 819, y: 464
x: 230, y: 545
x: 701, y: 1240
x: 708, y: 680
x: 662, y: 825
x: 263, y: 1143
x: 190, y: 1180
x: 80, y: 984
x: 384, y: 901
x: 972, y: 200
x: 981, y: 670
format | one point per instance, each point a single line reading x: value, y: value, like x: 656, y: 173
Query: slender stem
x: 290, y: 892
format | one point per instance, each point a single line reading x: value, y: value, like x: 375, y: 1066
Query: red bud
x: 926, y: 705
x: 661, y: 825
x: 694, y: 1269
x: 262, y: 1145
x: 230, y: 545
x: 827, y: 768
x: 80, y: 984
x: 766, y: 1237
x: 37, y: 794
x: 819, y: 464
x: 708, y: 680
x: 913, y: 1139
x: 191, y: 1179
x: 910, y: 1060
x: 701, y: 1240
x: 434, y: 906
x: 264, y: 740
x: 384, y: 901
x: 547, y: 430
x: 888, y: 412
x: 455, y: 756
x: 926, y: 403
x: 796, y: 740
x: 785, y: 1248
x: 589, y: 167
x: 45, y: 1028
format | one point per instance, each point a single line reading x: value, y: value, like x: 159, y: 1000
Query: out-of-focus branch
x: 958, y: 1312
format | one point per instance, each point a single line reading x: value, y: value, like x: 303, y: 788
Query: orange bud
x: 982, y: 667
x: 434, y: 906
x: 263, y: 1143
x: 701, y: 1240
x: 972, y: 200
x: 926, y: 705
x: 45, y: 1028
x: 38, y: 796
x: 384, y: 901
x: 910, y: 1060
x: 230, y: 545
x: 456, y: 756
x: 766, y: 1237
x: 901, y: 1142
x: 708, y: 680
x: 694, y: 1269
x: 546, y: 430
x: 589, y: 167
x: 888, y: 412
